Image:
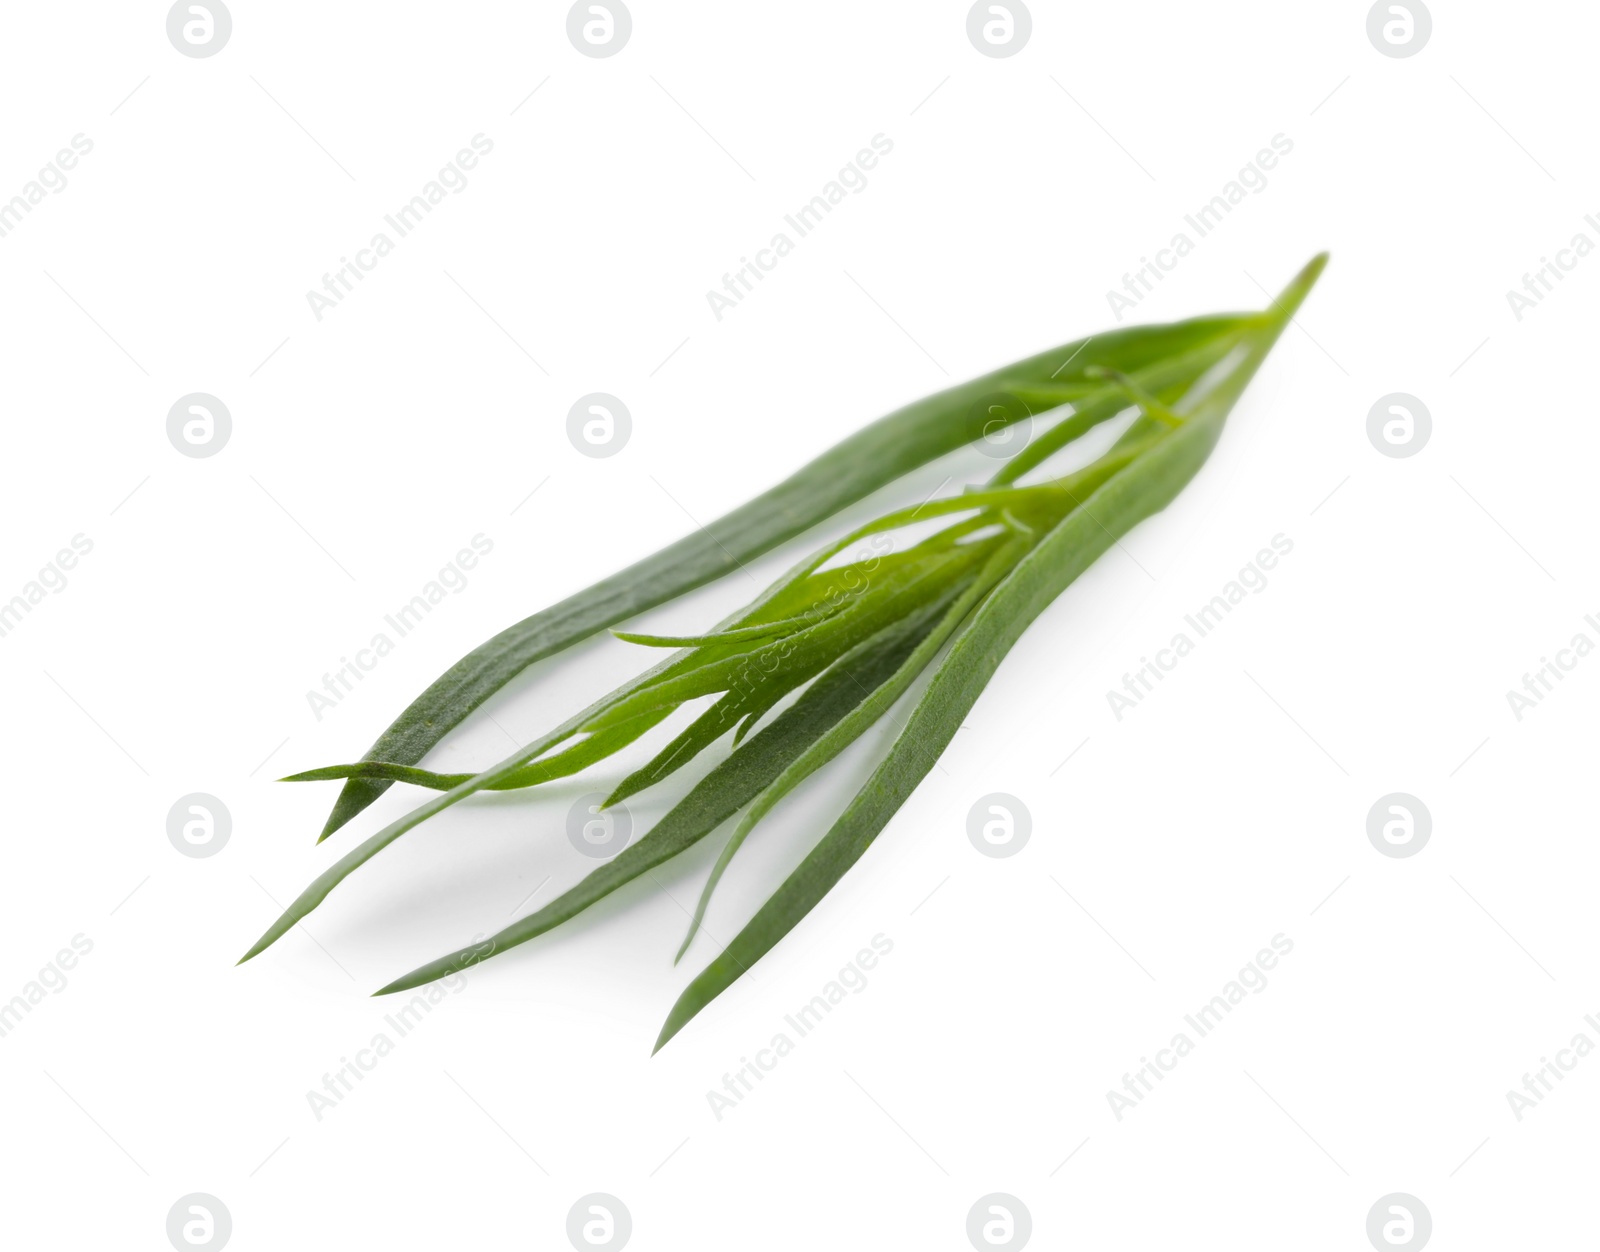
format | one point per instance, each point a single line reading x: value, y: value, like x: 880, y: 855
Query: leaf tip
x: 1302, y: 282
x: 683, y: 1012
x: 333, y: 823
x: 261, y: 946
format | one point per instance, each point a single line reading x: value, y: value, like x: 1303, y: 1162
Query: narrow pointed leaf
x: 705, y: 730
x: 1137, y: 492
x: 1167, y: 378
x: 869, y: 612
x: 358, y: 856
x: 850, y: 727
x: 761, y: 630
x: 718, y: 796
x: 563, y: 764
x: 850, y: 471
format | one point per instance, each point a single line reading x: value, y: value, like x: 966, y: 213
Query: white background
x: 369, y: 446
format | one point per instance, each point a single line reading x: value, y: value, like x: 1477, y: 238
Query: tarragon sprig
x: 850, y: 628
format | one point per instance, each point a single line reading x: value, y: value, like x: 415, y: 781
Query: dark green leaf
x: 851, y: 470
x: 1141, y: 489
x: 720, y: 794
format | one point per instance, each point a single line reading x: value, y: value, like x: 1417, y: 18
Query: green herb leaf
x: 850, y: 727
x: 718, y: 796
x: 1143, y: 488
x: 868, y: 627
x: 580, y: 756
x: 850, y: 471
